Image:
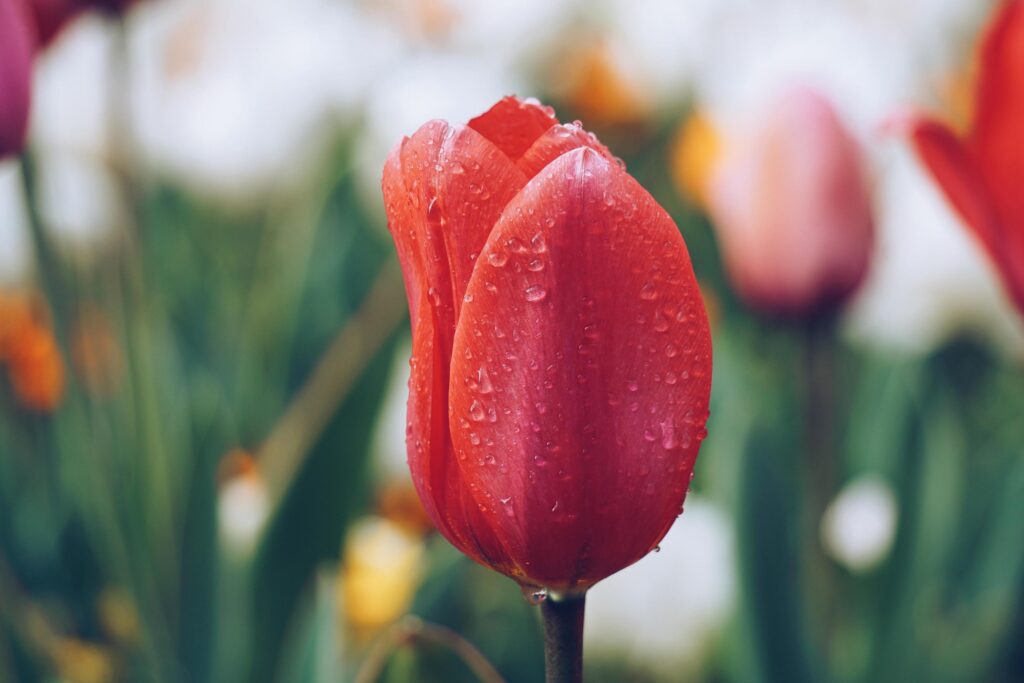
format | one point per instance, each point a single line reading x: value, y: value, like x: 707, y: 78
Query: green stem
x: 563, y: 638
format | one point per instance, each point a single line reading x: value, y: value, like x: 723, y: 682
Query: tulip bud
x: 561, y: 363
x: 792, y: 210
x: 52, y: 15
x: 981, y: 172
x: 17, y: 44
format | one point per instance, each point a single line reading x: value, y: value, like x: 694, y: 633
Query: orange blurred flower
x: 27, y: 345
x: 596, y: 87
x: 36, y: 368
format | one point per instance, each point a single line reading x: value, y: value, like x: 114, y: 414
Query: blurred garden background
x: 204, y: 349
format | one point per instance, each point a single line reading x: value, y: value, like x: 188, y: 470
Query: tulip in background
x: 52, y: 15
x: 792, y: 211
x: 981, y: 173
x: 561, y: 364
x: 17, y: 44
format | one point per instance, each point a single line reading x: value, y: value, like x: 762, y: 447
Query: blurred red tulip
x: 17, y: 44
x: 561, y: 363
x: 52, y: 15
x: 982, y: 173
x: 792, y: 210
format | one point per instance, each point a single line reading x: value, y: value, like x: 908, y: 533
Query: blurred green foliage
x: 223, y: 318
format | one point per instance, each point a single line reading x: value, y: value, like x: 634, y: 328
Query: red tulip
x: 792, y: 210
x: 52, y: 15
x: 17, y: 44
x: 982, y: 173
x: 561, y: 355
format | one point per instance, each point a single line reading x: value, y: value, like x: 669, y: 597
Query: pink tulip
x: 792, y: 210
x: 17, y: 45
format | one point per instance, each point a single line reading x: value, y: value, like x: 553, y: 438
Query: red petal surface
x: 951, y: 165
x: 982, y: 175
x: 555, y: 142
x: 514, y: 124
x: 17, y: 45
x: 444, y: 188
x: 581, y: 374
x: 997, y: 139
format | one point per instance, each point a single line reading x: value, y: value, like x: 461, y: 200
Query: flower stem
x: 563, y: 638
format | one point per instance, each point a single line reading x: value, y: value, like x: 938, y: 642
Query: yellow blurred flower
x: 696, y: 150
x: 380, y: 574
x: 118, y: 615
x: 81, y: 662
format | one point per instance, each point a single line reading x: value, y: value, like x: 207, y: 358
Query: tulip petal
x: 16, y: 48
x: 581, y: 373
x: 555, y: 142
x: 997, y: 138
x: 951, y: 165
x: 514, y: 124
x: 444, y: 188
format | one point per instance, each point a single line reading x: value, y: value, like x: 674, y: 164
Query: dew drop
x: 515, y: 245
x: 538, y: 243
x: 535, y: 293
x: 497, y: 259
x: 660, y: 322
x: 483, y: 381
x: 648, y: 292
x: 474, y: 438
x: 633, y: 385
x: 476, y: 411
x: 668, y: 435
x: 534, y: 595
x: 458, y: 168
x: 536, y: 265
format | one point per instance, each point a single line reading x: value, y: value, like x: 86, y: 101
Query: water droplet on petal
x: 648, y: 292
x: 476, y: 411
x: 535, y: 293
x: 497, y: 259
x: 515, y: 245
x: 538, y: 243
x: 483, y: 381
x: 536, y: 265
